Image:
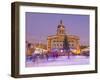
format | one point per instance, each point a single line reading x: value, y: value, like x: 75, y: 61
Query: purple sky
x: 40, y: 25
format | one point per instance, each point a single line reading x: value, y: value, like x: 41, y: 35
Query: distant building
x: 57, y: 41
x: 31, y: 48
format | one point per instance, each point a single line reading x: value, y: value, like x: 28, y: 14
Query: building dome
x: 61, y: 24
x: 60, y: 29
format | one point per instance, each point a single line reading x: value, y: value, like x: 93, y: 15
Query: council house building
x: 57, y: 41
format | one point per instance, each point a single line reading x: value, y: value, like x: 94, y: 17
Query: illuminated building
x: 57, y: 41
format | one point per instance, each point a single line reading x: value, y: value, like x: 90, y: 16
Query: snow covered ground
x: 60, y: 61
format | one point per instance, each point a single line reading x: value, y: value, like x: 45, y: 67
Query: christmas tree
x: 66, y: 47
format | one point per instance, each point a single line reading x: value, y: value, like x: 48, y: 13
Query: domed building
x: 57, y: 41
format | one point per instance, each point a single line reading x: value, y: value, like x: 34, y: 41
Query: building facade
x: 57, y: 41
